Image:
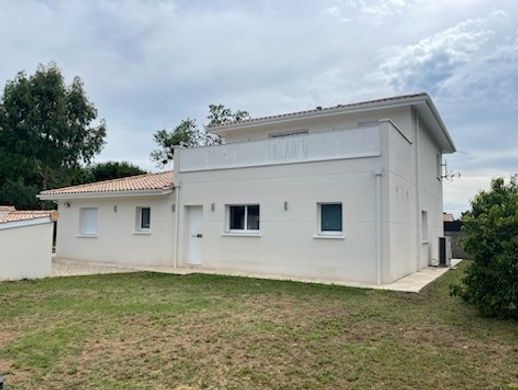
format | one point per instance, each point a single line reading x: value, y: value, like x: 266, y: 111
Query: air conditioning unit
x: 444, y: 252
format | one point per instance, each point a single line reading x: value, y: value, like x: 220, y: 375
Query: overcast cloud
x: 148, y: 64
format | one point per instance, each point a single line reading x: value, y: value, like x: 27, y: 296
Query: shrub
x: 490, y: 235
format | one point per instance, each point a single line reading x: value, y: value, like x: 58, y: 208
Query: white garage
x: 25, y: 243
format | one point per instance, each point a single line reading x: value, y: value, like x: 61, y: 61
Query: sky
x: 148, y: 64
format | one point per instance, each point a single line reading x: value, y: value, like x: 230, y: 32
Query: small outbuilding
x: 25, y: 243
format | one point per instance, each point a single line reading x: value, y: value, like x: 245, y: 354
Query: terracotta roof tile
x: 320, y: 109
x: 26, y: 215
x: 6, y: 209
x: 150, y: 181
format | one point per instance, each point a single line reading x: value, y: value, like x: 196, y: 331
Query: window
x: 88, y: 221
x: 424, y: 226
x: 243, y: 218
x: 143, y: 219
x: 330, y: 218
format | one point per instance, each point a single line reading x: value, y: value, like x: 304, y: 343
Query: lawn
x: 159, y: 331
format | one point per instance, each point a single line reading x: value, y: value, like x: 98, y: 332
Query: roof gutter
x: 102, y: 194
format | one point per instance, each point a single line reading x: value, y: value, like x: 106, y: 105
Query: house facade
x: 346, y: 193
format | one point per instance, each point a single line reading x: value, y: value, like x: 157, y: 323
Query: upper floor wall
x: 315, y: 146
x: 400, y: 116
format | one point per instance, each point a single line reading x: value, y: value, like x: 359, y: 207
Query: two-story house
x: 345, y: 193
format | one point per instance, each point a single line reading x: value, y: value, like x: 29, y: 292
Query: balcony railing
x: 318, y: 146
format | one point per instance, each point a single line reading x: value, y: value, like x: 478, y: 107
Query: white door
x: 195, y: 215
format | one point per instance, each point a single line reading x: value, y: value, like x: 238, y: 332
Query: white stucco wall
x: 26, y: 251
x: 401, y: 116
x: 286, y: 245
x: 117, y: 239
x: 413, y: 186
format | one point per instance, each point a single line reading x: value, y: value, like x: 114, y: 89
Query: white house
x: 345, y: 193
x: 25, y: 243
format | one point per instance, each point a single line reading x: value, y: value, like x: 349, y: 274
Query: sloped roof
x: 161, y: 181
x: 27, y: 215
x: 320, y: 109
x: 422, y: 103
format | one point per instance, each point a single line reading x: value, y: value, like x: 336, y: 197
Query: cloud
x: 435, y: 59
x: 376, y: 12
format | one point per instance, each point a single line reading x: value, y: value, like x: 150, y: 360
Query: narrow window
x: 143, y: 219
x: 331, y: 218
x: 424, y: 226
x: 88, y: 221
x: 243, y: 218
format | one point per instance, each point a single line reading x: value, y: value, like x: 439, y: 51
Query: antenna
x: 450, y: 176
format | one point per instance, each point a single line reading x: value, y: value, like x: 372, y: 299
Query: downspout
x: 417, y: 197
x: 177, y: 167
x: 379, y: 256
x: 177, y: 225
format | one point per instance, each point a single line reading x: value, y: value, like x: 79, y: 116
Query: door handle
x: 199, y: 235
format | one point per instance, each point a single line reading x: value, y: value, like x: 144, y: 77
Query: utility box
x: 444, y: 252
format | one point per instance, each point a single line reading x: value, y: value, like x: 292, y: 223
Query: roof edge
x: 104, y: 194
x: 393, y: 101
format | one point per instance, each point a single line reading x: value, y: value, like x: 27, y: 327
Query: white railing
x: 318, y: 146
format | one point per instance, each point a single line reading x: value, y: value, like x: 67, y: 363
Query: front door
x: 195, y: 215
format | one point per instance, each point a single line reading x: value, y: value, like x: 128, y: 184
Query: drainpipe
x: 177, y: 225
x: 417, y: 187
x: 379, y: 256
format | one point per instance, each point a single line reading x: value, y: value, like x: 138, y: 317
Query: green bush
x: 490, y: 235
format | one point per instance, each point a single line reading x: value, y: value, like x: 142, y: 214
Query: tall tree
x: 188, y: 134
x: 47, y: 128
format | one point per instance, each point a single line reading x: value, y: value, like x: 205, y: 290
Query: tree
x: 46, y: 129
x: 188, y: 134
x: 490, y: 235
x: 114, y: 170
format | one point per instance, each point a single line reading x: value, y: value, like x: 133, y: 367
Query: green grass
x: 158, y: 331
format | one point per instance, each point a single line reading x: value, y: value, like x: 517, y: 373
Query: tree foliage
x: 188, y: 134
x: 47, y: 129
x: 490, y: 235
x: 103, y: 171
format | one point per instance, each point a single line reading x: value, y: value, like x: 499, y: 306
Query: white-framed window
x: 330, y: 218
x: 143, y: 219
x: 243, y: 218
x: 88, y: 221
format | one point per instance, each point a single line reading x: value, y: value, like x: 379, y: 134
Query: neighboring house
x: 347, y: 193
x: 25, y: 243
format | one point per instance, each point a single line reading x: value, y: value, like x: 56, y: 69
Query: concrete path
x: 412, y: 283
x: 65, y: 267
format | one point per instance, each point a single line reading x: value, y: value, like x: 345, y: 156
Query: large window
x: 143, y: 221
x: 330, y: 218
x: 243, y: 218
x: 88, y: 221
